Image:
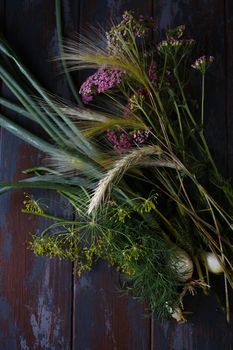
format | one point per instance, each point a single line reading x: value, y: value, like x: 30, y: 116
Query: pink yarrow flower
x: 102, y: 80
x: 202, y: 63
x: 152, y: 73
x: 123, y: 141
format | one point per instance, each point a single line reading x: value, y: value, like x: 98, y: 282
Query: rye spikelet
x: 113, y: 176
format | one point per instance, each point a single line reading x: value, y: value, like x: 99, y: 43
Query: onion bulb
x: 212, y: 262
x: 183, y: 265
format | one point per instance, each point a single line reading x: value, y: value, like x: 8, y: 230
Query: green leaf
x: 87, y: 166
x: 60, y: 42
x: 15, y: 107
x: 84, y: 145
x: 27, y: 136
x: 6, y: 186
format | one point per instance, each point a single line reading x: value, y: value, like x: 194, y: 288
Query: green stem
x: 200, y: 274
x: 48, y: 216
x: 161, y: 117
x: 168, y: 224
x: 202, y: 99
x: 179, y: 121
x: 208, y: 152
x: 180, y: 125
x: 148, y: 118
x: 60, y: 43
x: 202, y: 124
x: 227, y: 299
x: 193, y: 121
x: 164, y: 70
x: 183, y: 97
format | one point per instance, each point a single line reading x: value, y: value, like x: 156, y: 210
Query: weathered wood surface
x: 35, y: 293
x: 42, y: 306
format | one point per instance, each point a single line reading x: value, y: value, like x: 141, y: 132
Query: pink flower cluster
x: 102, y: 80
x: 123, y: 141
x: 152, y: 73
x: 202, y: 63
x: 125, y: 29
x: 172, y: 45
x: 135, y: 101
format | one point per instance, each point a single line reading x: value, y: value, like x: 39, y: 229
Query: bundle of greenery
x: 133, y: 161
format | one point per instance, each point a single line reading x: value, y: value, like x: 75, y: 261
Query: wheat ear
x: 140, y: 157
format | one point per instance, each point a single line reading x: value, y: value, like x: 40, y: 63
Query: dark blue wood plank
x: 104, y: 318
x: 229, y: 82
x: 206, y: 327
x: 205, y: 22
x: 35, y: 292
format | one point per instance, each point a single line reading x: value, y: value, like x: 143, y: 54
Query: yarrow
x: 152, y: 73
x: 202, y: 63
x: 140, y: 136
x: 135, y: 101
x: 175, y: 33
x: 123, y: 141
x: 102, y: 80
x: 172, y: 45
x: 123, y: 31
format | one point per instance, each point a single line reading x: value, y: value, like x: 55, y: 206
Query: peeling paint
x: 108, y: 318
x: 7, y: 340
x: 23, y: 343
x: 41, y: 326
x: 45, y: 322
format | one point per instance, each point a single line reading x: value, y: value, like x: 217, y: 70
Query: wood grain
x: 42, y: 305
x: 206, y: 327
x: 205, y: 22
x: 229, y: 81
x: 35, y: 292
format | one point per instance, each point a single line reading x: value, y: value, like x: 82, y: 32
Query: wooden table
x: 42, y: 304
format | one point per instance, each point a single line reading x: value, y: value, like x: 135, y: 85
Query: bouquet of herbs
x: 136, y: 168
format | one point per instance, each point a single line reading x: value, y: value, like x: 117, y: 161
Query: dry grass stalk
x: 84, y: 114
x: 138, y: 157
